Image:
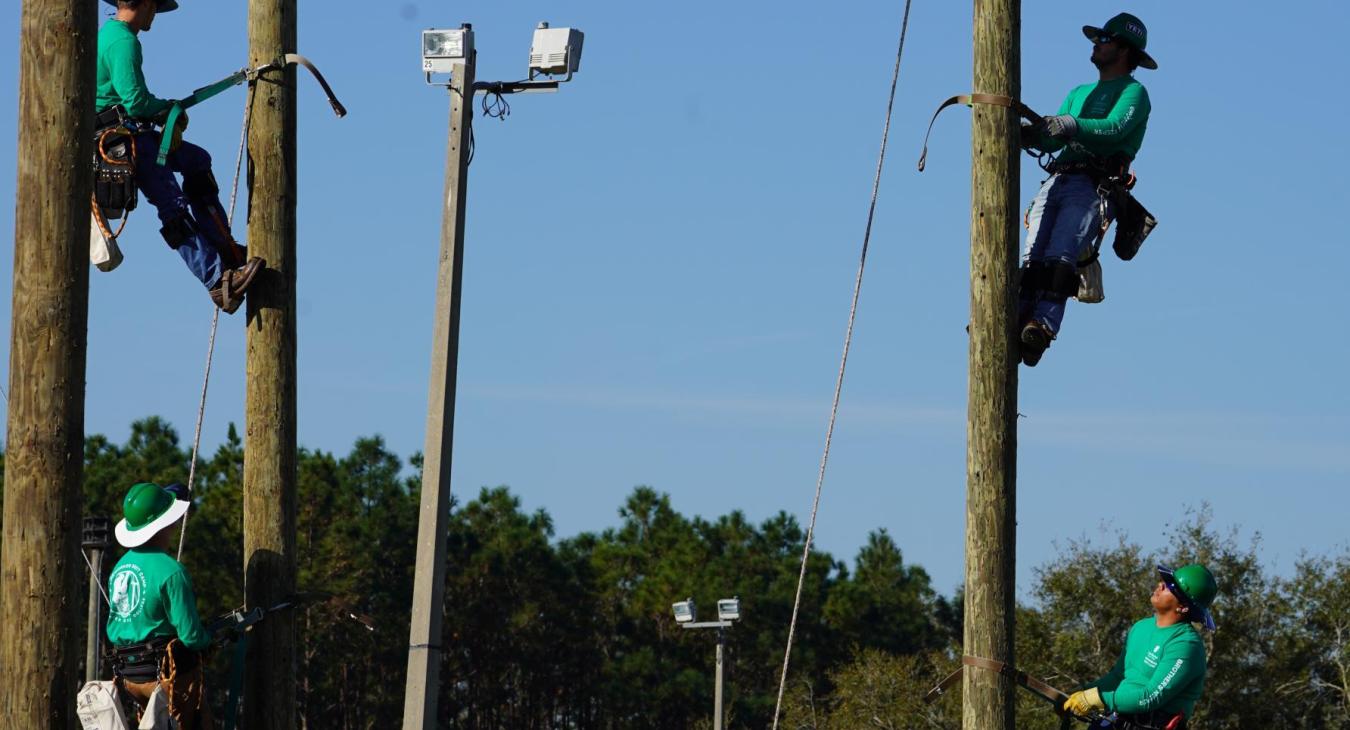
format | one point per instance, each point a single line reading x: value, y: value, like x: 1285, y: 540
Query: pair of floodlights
x: 728, y: 609
x: 553, y: 51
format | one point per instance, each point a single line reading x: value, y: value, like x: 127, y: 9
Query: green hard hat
x: 1195, y: 587
x: 162, y: 6
x: 147, y: 509
x: 1129, y: 29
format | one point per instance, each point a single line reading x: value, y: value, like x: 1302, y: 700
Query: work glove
x: 1084, y: 703
x: 1062, y: 126
x: 1029, y: 135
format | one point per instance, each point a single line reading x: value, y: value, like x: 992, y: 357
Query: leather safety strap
x: 969, y: 100
x: 234, y: 79
x: 1036, y: 686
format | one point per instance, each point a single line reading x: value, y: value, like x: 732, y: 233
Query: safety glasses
x: 1102, y: 39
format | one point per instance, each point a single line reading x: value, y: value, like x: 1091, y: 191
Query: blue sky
x: 660, y: 259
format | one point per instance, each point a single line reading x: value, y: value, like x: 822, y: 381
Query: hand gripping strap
x: 969, y: 100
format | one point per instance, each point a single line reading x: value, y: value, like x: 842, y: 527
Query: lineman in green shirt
x: 1097, y: 133
x: 194, y: 223
x: 153, y: 619
x: 1161, y: 673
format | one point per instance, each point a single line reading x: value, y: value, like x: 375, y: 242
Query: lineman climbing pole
x: 991, y: 430
x: 41, y: 566
x: 270, y: 412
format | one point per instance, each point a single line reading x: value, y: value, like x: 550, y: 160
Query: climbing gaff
x: 238, y: 77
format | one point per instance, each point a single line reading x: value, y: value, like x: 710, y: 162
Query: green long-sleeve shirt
x: 1161, y: 669
x: 151, y: 597
x: 120, y: 79
x: 1112, y: 118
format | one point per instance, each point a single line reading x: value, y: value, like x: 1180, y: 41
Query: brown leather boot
x: 1035, y: 339
x: 229, y: 293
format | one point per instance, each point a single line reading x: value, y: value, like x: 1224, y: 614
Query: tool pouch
x: 114, y: 172
x: 1133, y: 224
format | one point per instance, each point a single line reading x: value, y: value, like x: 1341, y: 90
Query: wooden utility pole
x: 270, y: 444
x: 991, y: 430
x: 424, y: 650
x: 41, y: 567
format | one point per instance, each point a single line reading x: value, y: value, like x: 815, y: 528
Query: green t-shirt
x: 119, y: 78
x: 151, y: 596
x: 1112, y: 117
x: 1160, y: 670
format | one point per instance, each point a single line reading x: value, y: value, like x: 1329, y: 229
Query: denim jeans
x: 161, y: 189
x: 1065, y: 220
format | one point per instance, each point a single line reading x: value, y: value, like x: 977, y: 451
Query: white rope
x: 215, y: 316
x: 98, y: 580
x: 843, y: 363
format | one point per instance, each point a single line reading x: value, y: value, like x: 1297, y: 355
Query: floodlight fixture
x: 685, y: 611
x: 729, y: 609
x: 555, y: 51
x: 443, y: 48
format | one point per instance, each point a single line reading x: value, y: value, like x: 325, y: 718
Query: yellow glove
x: 1084, y: 703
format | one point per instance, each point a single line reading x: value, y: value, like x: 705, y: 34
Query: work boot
x: 1034, y: 341
x: 234, y: 283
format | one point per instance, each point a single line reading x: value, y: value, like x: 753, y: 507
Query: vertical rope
x: 843, y: 363
x: 215, y: 315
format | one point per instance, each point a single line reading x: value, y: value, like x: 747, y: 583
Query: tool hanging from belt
x: 234, y: 79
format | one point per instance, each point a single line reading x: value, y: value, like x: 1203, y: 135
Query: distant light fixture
x: 442, y: 49
x: 685, y: 611
x: 555, y: 51
x: 729, y: 609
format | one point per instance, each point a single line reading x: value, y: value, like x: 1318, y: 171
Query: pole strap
x: 1024, y: 680
x: 1007, y: 102
x: 238, y: 77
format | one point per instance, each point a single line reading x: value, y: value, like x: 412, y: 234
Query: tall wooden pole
x: 991, y: 431
x: 40, y: 568
x: 270, y: 444
x: 424, y: 651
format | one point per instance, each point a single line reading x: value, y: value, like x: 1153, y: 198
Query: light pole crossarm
x: 707, y: 625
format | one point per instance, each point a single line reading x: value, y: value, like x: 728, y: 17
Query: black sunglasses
x: 1104, y: 38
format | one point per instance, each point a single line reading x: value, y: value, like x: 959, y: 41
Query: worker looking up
x: 1161, y: 672
x: 152, y: 620
x: 1098, y: 132
x: 193, y: 221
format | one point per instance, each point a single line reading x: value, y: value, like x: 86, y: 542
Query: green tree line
x: 542, y: 632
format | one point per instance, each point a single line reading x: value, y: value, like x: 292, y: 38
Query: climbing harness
x: 1056, y: 698
x: 843, y: 363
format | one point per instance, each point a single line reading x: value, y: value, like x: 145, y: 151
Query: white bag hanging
x: 156, y: 715
x: 98, y: 709
x: 103, y: 250
x: 1090, y: 288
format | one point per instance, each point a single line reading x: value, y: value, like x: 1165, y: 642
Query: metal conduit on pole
x: 991, y: 431
x: 270, y: 410
x: 41, y: 568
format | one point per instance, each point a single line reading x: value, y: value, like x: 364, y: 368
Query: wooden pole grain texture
x: 421, y: 695
x: 270, y: 409
x: 991, y: 431
x: 40, y: 569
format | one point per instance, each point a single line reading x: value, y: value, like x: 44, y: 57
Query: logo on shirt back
x: 128, y: 592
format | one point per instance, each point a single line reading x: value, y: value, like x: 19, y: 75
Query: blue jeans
x: 202, y: 250
x: 1065, y: 220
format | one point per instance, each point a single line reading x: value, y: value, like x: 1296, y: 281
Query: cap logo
x: 1133, y: 28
